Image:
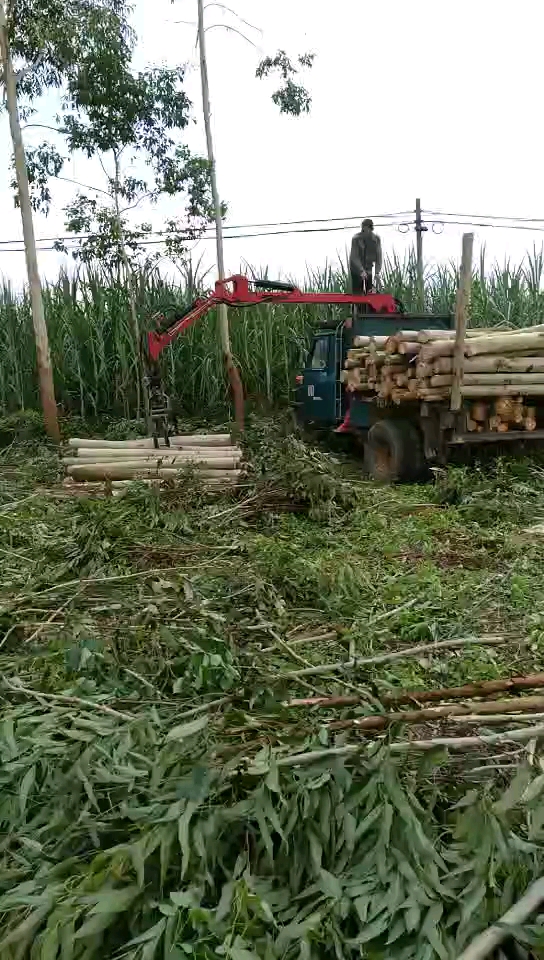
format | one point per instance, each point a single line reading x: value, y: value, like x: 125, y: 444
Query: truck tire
x: 394, y: 452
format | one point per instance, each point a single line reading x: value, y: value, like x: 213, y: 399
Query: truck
x: 401, y: 440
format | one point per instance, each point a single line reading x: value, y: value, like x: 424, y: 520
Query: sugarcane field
x: 271, y: 533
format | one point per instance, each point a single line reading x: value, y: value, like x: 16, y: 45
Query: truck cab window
x: 320, y: 354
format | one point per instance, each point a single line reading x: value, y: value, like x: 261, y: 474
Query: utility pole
x: 43, y: 356
x: 232, y: 370
x: 420, y: 230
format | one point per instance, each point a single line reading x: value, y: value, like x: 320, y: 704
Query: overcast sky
x: 412, y: 99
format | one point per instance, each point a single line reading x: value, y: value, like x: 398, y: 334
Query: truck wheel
x: 393, y: 452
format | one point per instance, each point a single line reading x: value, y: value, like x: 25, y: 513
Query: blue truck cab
x: 395, y: 437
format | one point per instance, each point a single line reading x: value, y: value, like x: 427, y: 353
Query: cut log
x: 212, y: 463
x: 479, y: 412
x: 510, y: 390
x: 505, y: 408
x: 189, y: 440
x: 507, y: 343
x: 438, y: 348
x: 441, y: 380
x: 409, y: 347
x: 497, y: 364
x: 182, y: 454
x: 217, y: 463
x: 392, y: 345
x: 425, y: 336
x: 117, y: 471
x: 492, y: 379
x: 432, y: 395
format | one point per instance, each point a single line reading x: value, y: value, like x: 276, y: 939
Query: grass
x: 95, y: 357
x: 143, y: 668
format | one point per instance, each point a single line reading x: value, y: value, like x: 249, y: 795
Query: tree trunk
x: 43, y: 357
x: 232, y: 370
x: 141, y: 391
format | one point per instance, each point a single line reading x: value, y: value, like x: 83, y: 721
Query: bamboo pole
x: 461, y: 309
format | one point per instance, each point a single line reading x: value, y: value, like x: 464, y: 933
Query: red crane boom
x: 238, y: 291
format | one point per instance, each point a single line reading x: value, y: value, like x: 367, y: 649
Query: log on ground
x: 103, y: 455
x: 188, y: 440
x: 118, y: 471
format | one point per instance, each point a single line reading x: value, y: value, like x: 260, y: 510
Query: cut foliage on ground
x: 186, y: 767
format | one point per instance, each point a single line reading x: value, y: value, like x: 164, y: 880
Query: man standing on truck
x: 365, y: 260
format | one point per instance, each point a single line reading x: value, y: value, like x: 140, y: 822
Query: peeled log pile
x: 212, y: 458
x: 501, y: 371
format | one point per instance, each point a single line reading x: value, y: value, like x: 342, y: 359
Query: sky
x: 424, y: 99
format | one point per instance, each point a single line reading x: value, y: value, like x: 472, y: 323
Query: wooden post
x: 461, y: 308
x: 420, y: 230
x: 232, y: 369
x: 43, y: 356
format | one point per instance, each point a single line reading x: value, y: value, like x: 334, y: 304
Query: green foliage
x: 144, y: 665
x: 51, y: 40
x: 292, y: 98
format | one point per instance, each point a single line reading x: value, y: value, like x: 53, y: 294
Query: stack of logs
x: 212, y: 458
x: 500, y: 371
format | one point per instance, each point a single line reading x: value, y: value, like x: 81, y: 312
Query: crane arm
x: 238, y: 291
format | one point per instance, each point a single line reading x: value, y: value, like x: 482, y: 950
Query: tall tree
x: 133, y: 119
x: 292, y: 98
x: 43, y: 45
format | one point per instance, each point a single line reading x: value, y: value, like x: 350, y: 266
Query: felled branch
x: 483, y: 708
x: 395, y: 655
x: 484, y: 944
x: 468, y: 691
x: 517, y: 735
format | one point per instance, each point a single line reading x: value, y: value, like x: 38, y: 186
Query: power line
x: 490, y: 226
x: 485, y: 216
x: 243, y: 226
x: 74, y: 245
x: 240, y: 236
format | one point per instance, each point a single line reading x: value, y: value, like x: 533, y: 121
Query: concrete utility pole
x: 420, y: 230
x: 232, y: 370
x: 43, y: 356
